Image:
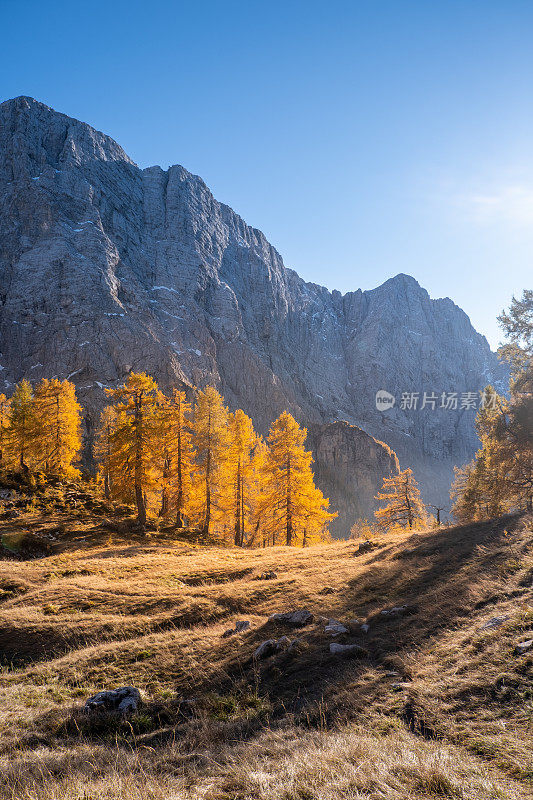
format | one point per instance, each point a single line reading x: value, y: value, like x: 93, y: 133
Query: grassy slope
x: 106, y: 611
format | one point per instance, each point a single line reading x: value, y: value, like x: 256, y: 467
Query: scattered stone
x: 392, y: 674
x: 267, y: 576
x: 297, y: 619
x: 294, y: 646
x: 265, y: 649
x: 240, y: 626
x: 327, y: 590
x: 400, y: 686
x: 495, y: 622
x: 365, y: 628
x: 351, y: 650
x: 394, y: 610
x: 365, y: 547
x: 335, y: 628
x: 271, y: 646
x: 124, y: 700
x: 523, y: 647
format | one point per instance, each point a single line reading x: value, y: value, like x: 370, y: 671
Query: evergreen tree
x: 292, y: 507
x: 210, y: 441
x: 134, y: 441
x: 57, y: 427
x: 403, y: 505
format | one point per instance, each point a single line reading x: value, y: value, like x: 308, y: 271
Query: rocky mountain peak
x: 105, y: 268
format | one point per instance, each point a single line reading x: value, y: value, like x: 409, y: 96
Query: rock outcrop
x: 107, y: 268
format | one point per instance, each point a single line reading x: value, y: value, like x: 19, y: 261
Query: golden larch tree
x: 292, y: 505
x: 103, y: 447
x: 210, y: 442
x: 177, y: 455
x: 134, y: 441
x: 4, y: 425
x: 57, y: 426
x: 21, y: 427
x: 403, y: 505
x: 240, y: 467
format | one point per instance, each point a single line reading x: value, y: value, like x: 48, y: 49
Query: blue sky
x: 364, y: 138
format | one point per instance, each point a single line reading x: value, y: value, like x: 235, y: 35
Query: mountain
x: 107, y: 268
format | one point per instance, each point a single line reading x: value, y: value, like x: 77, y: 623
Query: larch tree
x: 240, y: 467
x: 292, y: 505
x: 403, y: 505
x: 210, y: 441
x: 103, y: 447
x: 21, y: 427
x: 57, y: 426
x: 134, y: 441
x: 4, y: 425
x: 177, y: 455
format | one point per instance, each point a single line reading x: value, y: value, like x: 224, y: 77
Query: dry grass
x: 107, y: 610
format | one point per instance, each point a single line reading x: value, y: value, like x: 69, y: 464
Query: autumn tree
x: 242, y: 441
x: 403, y: 505
x: 177, y: 455
x: 21, y: 426
x: 134, y: 441
x: 103, y: 447
x: 56, y: 416
x: 210, y: 441
x: 292, y: 505
x: 500, y: 478
x: 4, y: 425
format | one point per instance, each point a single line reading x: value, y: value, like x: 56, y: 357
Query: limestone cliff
x: 105, y: 268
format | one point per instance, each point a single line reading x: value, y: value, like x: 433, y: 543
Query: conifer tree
x: 103, y: 447
x: 4, y: 424
x: 210, y: 440
x: 177, y: 455
x: 292, y: 506
x: 134, y: 443
x: 403, y: 505
x: 21, y: 432
x: 240, y: 466
x: 57, y: 426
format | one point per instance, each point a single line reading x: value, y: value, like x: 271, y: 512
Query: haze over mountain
x: 107, y: 268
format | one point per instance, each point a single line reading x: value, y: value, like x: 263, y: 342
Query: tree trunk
x: 288, y: 500
x: 163, y: 511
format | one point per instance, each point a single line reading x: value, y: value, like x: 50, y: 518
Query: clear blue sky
x: 364, y: 138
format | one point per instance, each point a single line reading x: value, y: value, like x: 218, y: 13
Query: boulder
x: 296, y: 619
x: 124, y: 700
x: 350, y: 650
x: 335, y: 628
x: 242, y: 625
x: 365, y: 628
x: 271, y: 646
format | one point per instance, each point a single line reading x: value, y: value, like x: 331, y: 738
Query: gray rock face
x: 107, y: 268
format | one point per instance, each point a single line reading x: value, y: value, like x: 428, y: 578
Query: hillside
x: 107, y: 268
x: 436, y: 703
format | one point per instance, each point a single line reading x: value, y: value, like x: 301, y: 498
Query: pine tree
x: 292, y: 507
x: 177, y: 455
x: 57, y: 426
x: 403, y: 506
x: 210, y: 440
x: 134, y: 441
x: 21, y: 430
